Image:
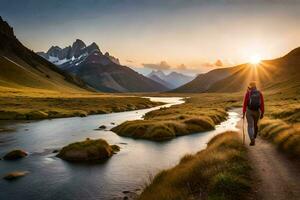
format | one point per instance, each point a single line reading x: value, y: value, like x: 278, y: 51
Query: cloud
x: 219, y: 63
x: 129, y: 61
x: 208, y: 65
x: 181, y: 67
x: 163, y: 65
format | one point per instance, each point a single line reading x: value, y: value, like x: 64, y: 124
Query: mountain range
x: 171, y: 80
x: 21, y: 68
x: 101, y: 71
x: 80, y: 68
x: 278, y: 73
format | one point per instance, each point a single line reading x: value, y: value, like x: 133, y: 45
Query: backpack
x: 254, y: 100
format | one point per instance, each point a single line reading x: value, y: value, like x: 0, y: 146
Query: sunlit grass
x: 282, y: 124
x: 285, y: 136
x: 42, y: 104
x: 219, y: 172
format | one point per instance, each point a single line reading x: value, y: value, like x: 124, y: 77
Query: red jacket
x: 246, y: 100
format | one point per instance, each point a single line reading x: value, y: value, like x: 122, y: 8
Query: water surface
x: 52, y: 178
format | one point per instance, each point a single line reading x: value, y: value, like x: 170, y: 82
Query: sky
x: 191, y: 36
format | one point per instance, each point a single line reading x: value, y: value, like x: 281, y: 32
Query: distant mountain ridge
x: 102, y: 71
x: 171, y: 80
x: 281, y: 71
x: 22, y: 68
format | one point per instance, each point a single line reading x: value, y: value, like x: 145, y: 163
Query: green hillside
x: 21, y: 76
x: 22, y: 68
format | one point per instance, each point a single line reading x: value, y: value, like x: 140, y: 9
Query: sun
x: 255, y: 59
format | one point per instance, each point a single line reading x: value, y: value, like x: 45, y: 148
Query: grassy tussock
x: 285, y: 136
x: 221, y: 171
x: 88, y: 150
x: 199, y: 113
x: 161, y: 128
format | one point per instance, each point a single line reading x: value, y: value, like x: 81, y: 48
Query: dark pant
x: 252, y: 120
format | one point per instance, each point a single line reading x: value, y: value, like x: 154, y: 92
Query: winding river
x: 52, y: 178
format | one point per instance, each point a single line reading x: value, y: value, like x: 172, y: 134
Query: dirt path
x: 276, y: 176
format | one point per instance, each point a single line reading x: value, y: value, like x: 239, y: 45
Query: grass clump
x: 285, y: 136
x: 88, y: 150
x: 221, y: 171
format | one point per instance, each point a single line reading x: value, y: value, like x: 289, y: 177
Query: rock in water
x: 115, y: 148
x: 15, y: 154
x: 55, y: 151
x: 102, y: 127
x: 15, y: 175
x: 88, y: 150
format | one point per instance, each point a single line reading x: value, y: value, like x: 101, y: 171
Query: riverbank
x: 20, y: 105
x: 198, y: 114
x: 221, y: 171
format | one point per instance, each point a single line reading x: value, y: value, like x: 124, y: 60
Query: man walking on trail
x: 253, y: 108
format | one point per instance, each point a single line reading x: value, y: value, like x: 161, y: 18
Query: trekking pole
x: 243, y: 131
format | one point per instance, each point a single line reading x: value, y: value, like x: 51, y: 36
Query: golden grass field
x: 42, y: 104
x: 221, y: 171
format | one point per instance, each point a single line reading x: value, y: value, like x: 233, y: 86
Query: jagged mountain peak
x: 93, y: 47
x: 69, y: 58
x: 78, y: 44
x: 53, y: 49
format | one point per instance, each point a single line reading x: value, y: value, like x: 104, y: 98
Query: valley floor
x: 43, y: 104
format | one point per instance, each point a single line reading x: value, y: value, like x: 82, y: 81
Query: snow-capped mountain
x: 171, y: 80
x: 101, y: 71
x: 72, y: 56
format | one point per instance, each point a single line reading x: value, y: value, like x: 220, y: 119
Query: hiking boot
x: 255, y: 135
x: 252, y: 143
